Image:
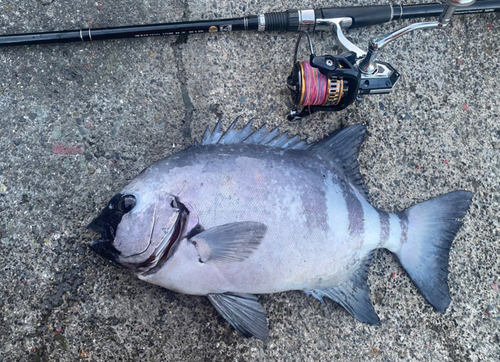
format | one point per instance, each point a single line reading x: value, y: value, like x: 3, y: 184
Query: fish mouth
x: 104, y: 245
x: 106, y: 249
x: 106, y: 224
x: 164, y: 250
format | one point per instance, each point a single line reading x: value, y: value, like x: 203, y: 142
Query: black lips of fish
x: 107, y: 223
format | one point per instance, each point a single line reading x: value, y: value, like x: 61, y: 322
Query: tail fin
x: 432, y: 226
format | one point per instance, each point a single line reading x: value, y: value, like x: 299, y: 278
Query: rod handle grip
x: 361, y: 15
x: 285, y: 20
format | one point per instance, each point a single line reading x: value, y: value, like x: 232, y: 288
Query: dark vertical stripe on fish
x: 403, y: 222
x: 355, y: 214
x: 385, y: 227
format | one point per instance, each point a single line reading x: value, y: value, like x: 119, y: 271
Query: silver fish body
x: 253, y: 212
x: 310, y: 241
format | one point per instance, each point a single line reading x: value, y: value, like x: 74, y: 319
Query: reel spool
x: 311, y: 88
x: 325, y: 83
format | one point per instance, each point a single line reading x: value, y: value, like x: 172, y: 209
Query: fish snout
x: 104, y: 245
x: 106, y: 249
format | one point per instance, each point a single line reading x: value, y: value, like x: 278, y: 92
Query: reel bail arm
x: 368, y: 65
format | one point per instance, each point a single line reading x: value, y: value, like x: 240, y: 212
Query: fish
x: 245, y: 212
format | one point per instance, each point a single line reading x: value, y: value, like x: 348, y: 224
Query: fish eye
x: 127, y: 203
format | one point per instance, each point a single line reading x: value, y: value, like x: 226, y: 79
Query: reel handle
x: 369, y: 66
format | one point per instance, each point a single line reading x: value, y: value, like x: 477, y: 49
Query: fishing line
x: 314, y: 123
x: 315, y: 88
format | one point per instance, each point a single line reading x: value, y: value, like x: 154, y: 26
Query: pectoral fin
x: 243, y: 312
x: 229, y: 242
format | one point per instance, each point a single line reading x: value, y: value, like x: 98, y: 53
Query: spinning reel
x: 332, y: 83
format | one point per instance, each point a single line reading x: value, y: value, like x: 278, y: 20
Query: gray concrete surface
x: 78, y: 121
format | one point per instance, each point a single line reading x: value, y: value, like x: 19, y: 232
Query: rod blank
x: 288, y: 20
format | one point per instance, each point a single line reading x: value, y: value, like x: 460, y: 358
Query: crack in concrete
x: 183, y: 79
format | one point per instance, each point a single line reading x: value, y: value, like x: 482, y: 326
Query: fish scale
x: 253, y: 212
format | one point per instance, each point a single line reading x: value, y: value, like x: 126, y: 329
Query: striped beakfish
x: 252, y: 212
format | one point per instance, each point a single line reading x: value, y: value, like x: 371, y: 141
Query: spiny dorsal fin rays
x: 217, y: 133
x: 259, y: 137
x: 230, y: 135
x: 245, y: 135
x: 210, y: 138
x: 245, y: 132
x: 280, y: 140
x: 302, y: 145
x: 206, y: 136
x: 270, y: 136
x: 292, y: 142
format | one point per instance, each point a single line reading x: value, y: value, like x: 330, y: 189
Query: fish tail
x: 427, y: 231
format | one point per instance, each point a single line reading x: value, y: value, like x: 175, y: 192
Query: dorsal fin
x: 342, y: 147
x: 245, y: 135
x: 210, y: 138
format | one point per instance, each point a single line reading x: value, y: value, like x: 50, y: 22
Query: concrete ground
x: 79, y: 121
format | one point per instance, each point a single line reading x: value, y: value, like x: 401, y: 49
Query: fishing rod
x: 291, y: 20
x: 325, y: 83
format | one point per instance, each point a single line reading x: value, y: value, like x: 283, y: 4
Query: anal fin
x: 353, y: 295
x: 243, y: 312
